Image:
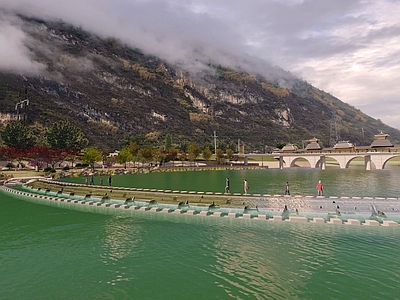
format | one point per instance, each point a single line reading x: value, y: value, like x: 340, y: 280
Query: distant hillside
x: 115, y: 93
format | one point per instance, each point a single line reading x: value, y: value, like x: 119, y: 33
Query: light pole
x: 215, y: 143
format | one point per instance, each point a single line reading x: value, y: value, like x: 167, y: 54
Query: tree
x: 222, y: 145
x: 71, y: 156
x: 63, y: 135
x: 207, y: 153
x: 146, y: 154
x: 168, y: 142
x: 158, y: 156
x: 183, y: 146
x: 231, y: 145
x: 39, y: 155
x: 38, y: 130
x: 170, y: 154
x: 4, y: 153
x: 124, y: 156
x: 17, y: 153
x: 55, y: 156
x: 220, y: 156
x: 108, y: 161
x: 280, y: 145
x: 193, y: 151
x: 134, y: 150
x: 91, y: 155
x: 17, y: 135
x: 229, y: 154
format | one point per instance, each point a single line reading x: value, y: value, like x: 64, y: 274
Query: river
x: 52, y: 253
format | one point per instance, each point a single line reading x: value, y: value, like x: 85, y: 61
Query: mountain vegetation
x: 115, y: 95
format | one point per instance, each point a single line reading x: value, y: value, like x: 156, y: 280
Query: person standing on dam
x: 227, y: 186
x: 320, y: 188
x: 287, y: 191
x: 245, y: 186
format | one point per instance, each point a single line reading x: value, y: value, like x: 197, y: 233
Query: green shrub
x: 49, y: 170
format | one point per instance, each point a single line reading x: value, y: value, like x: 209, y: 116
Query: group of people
x: 101, y: 180
x: 246, y: 187
x: 319, y: 187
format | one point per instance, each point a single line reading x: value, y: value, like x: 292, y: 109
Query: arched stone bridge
x: 318, y: 160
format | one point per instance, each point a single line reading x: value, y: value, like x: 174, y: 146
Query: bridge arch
x: 289, y: 160
x: 297, y: 159
x: 384, y: 163
x: 381, y: 162
x: 378, y: 159
x: 333, y: 158
x: 343, y: 160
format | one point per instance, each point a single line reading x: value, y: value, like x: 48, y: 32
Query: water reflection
x: 122, y: 235
x: 286, y: 261
x: 272, y: 264
x: 121, y: 242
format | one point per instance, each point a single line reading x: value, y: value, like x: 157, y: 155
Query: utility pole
x: 238, y: 146
x: 215, y: 142
x: 23, y: 104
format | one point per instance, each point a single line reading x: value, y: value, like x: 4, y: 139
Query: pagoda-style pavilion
x: 344, y: 145
x: 288, y: 148
x: 381, y: 140
x: 313, y: 144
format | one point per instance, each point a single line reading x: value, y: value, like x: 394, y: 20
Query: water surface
x: 53, y: 253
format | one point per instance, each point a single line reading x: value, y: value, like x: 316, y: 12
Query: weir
x: 300, y: 209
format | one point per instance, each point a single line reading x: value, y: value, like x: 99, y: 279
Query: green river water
x: 56, y: 253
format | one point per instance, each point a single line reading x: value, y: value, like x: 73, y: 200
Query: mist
x: 347, y: 48
x: 15, y: 56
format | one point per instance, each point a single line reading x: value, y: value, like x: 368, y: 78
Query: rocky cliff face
x: 114, y: 93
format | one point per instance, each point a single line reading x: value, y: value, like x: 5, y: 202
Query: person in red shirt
x: 320, y: 188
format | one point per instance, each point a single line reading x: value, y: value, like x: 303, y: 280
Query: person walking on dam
x: 287, y: 191
x: 227, y: 186
x: 245, y: 186
x: 320, y: 188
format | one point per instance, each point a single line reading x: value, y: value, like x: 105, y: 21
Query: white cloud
x: 347, y: 48
x: 14, y: 55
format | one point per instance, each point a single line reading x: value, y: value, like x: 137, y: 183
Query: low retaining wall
x: 116, y: 208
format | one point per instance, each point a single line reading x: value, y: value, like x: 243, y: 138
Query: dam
x: 316, y: 209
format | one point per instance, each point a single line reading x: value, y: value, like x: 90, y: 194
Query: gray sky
x: 349, y: 48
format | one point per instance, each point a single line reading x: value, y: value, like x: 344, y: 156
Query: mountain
x: 115, y: 93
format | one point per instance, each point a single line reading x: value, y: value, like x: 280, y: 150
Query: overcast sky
x: 349, y: 48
